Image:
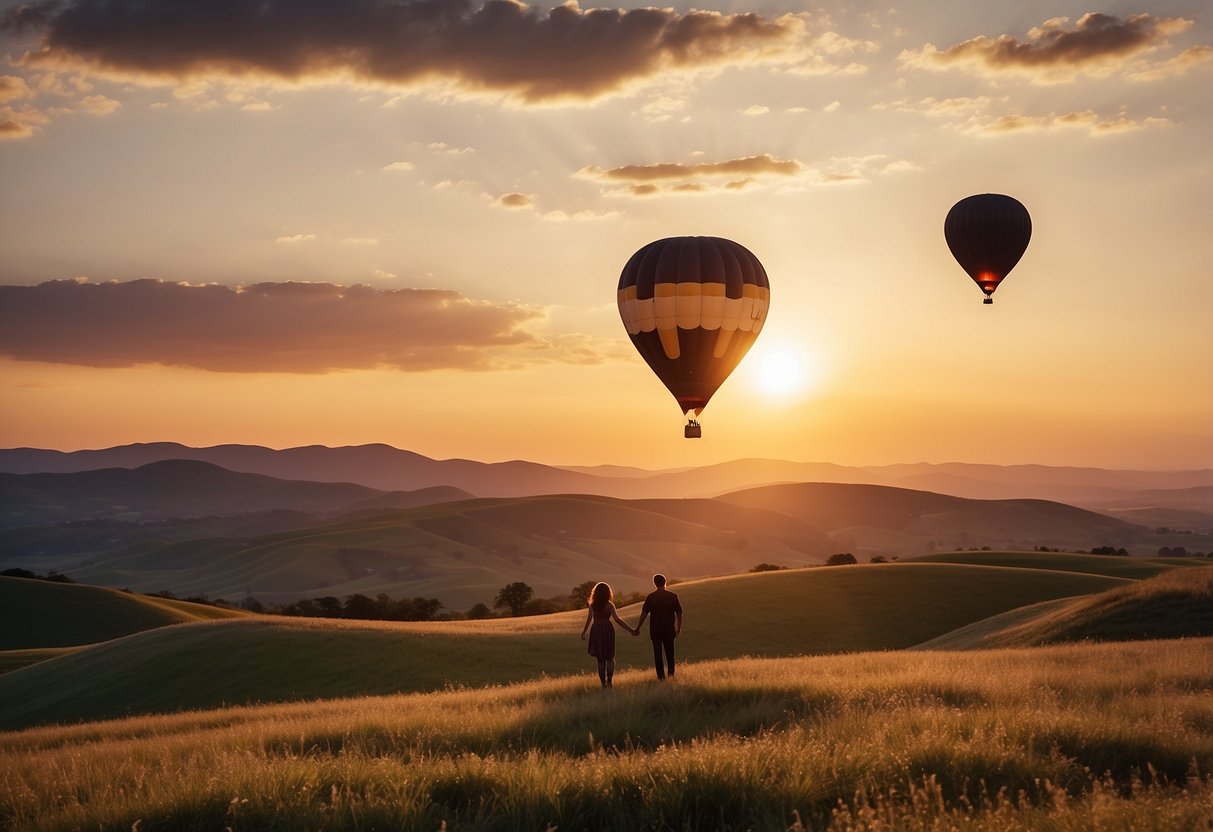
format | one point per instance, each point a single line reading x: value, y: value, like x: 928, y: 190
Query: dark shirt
x: 661, y: 606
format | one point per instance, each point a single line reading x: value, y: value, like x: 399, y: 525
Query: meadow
x: 501, y: 724
x: 1077, y: 737
x: 268, y: 659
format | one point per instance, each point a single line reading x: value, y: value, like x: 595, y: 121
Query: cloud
x: 500, y: 47
x: 99, y: 105
x: 1087, y: 120
x: 678, y: 178
x: 1097, y: 44
x: 13, y: 87
x: 272, y: 327
x: 514, y: 201
x: 756, y: 110
x: 359, y: 241
x: 761, y: 164
x: 399, y: 166
x: 740, y: 174
x: 294, y: 239
x: 21, y: 121
x: 443, y: 147
x: 1191, y: 58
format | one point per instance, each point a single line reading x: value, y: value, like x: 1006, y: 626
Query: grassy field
x: 1080, y: 737
x: 1112, y: 566
x: 809, y: 611
x: 47, y: 614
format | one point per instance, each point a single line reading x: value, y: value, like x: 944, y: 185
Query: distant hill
x: 1175, y: 604
x: 388, y: 468
x: 464, y: 552
x: 36, y: 614
x: 810, y: 611
x: 879, y: 519
x: 185, y: 488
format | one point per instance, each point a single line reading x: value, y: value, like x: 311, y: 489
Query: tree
x: 841, y: 559
x: 767, y: 567
x: 540, y: 606
x: 359, y: 606
x: 514, y: 596
x: 479, y: 610
x: 580, y: 595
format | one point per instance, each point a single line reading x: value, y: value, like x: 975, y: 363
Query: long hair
x: 600, y: 596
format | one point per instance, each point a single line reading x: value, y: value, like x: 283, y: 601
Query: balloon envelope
x: 987, y: 234
x: 693, y: 306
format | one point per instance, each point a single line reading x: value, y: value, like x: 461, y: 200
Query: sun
x: 779, y: 372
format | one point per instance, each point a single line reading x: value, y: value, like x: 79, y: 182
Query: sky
x: 340, y: 222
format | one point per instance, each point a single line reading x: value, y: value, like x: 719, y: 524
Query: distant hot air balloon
x: 692, y: 307
x: 987, y: 234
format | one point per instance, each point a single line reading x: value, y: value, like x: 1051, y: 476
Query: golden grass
x: 1065, y: 738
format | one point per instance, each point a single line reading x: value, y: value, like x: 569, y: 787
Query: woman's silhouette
x: 602, y: 633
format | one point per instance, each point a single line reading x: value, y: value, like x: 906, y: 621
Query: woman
x: 602, y: 634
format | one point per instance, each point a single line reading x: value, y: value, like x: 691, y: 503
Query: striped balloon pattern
x: 987, y: 234
x: 693, y: 307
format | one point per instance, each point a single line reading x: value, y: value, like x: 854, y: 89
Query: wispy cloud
x: 273, y: 327
x: 501, y: 47
x: 295, y: 239
x: 399, y: 166
x: 1056, y: 51
x: 679, y: 178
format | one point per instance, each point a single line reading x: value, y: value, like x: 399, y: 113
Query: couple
x: 665, y: 625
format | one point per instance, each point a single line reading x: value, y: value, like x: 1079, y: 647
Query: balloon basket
x: 692, y: 430
x: 988, y: 300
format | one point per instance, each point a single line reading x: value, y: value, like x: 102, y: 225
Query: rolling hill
x: 38, y: 614
x: 1111, y: 566
x: 883, y: 520
x: 185, y: 488
x: 1174, y: 604
x: 463, y: 552
x: 811, y: 611
x: 385, y: 467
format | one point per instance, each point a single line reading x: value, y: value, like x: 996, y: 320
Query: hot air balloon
x: 693, y: 307
x: 987, y: 234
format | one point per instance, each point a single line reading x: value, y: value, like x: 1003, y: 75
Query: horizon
x: 585, y: 465
x: 317, y: 243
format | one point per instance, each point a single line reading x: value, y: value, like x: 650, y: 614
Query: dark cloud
x: 1056, y: 49
x: 273, y: 327
x: 500, y: 46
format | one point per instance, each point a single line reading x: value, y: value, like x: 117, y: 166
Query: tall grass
x: 1077, y: 737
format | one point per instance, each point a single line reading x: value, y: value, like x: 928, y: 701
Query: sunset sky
x: 349, y: 221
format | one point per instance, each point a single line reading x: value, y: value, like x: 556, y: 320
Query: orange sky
x: 264, y: 241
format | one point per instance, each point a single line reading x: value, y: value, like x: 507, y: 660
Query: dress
x: 602, y: 636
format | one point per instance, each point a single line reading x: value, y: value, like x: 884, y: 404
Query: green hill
x: 809, y: 611
x: 1112, y: 566
x: 1177, y: 604
x: 36, y: 614
x: 463, y: 552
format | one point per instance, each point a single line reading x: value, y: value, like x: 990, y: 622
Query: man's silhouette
x: 664, y: 626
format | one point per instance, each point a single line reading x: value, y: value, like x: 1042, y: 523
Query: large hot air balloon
x: 987, y: 234
x: 692, y: 307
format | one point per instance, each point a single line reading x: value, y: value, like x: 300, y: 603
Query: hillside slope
x: 47, y: 614
x: 879, y: 519
x: 184, y: 488
x: 463, y: 552
x: 810, y: 611
x: 1112, y: 566
x: 1176, y: 604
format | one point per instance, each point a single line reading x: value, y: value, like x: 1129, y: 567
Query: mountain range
x: 386, y: 468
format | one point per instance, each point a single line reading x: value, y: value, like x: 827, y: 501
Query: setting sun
x: 779, y: 372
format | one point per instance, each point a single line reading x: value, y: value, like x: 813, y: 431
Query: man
x: 664, y: 626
